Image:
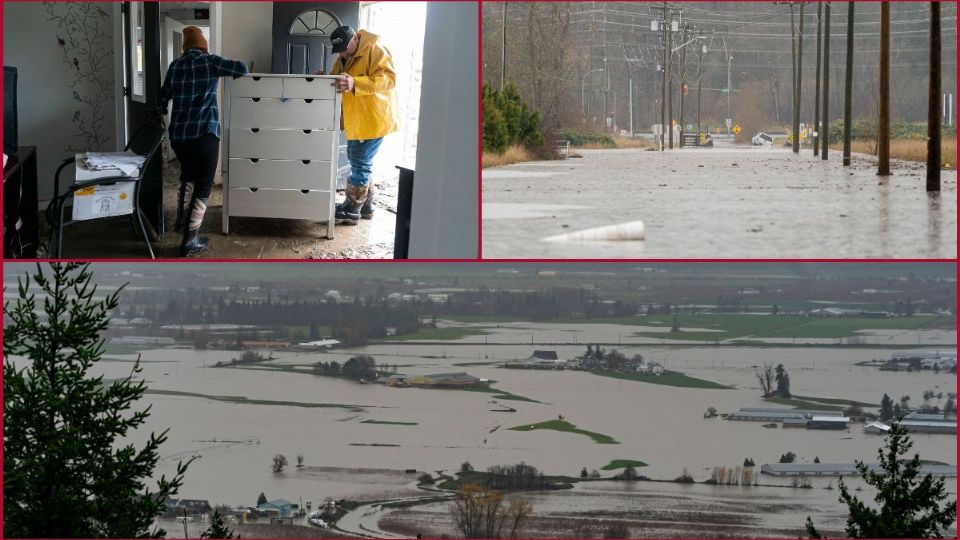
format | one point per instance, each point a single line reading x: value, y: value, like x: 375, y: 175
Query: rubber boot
x: 192, y: 241
x: 348, y: 212
x: 366, y: 211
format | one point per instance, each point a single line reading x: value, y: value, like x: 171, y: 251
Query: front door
x: 141, y: 33
x: 307, y: 41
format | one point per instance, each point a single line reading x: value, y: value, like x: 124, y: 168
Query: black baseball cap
x: 341, y: 37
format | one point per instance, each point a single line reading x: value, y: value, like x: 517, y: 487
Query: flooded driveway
x: 720, y: 202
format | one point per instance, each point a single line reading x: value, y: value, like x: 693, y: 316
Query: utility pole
x: 933, y: 105
x: 606, y: 88
x: 883, y: 117
x: 816, y: 107
x: 701, y: 48
x: 796, y: 89
x: 793, y: 81
x: 670, y: 78
x: 825, y: 132
x: 683, y: 79
x: 848, y: 88
x: 503, y: 48
x: 663, y: 84
x: 631, y: 107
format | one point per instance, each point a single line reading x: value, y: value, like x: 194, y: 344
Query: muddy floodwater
x: 719, y: 202
x: 235, y: 420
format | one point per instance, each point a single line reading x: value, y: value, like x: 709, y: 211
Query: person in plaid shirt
x: 191, y: 84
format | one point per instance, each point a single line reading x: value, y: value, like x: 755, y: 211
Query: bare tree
x: 765, y: 376
x: 279, y: 463
x: 480, y: 512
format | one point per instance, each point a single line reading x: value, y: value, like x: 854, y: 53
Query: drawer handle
x: 256, y: 100
x: 256, y: 78
x: 307, y: 131
x: 306, y: 161
x: 254, y: 160
x: 309, y: 100
x: 304, y: 191
x: 255, y: 130
x: 309, y: 79
x: 253, y: 189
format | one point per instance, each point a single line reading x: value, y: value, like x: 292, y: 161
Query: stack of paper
x: 127, y: 163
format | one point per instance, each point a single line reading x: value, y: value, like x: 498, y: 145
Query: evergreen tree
x: 783, y: 381
x: 217, y: 528
x: 886, y: 408
x: 67, y: 473
x: 908, y: 505
x: 262, y: 499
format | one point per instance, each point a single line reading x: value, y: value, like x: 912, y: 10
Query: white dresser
x: 281, y: 134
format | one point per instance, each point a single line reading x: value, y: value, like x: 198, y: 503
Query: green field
x: 567, y: 427
x: 732, y: 326
x: 448, y: 333
x: 824, y: 404
x: 724, y: 326
x: 622, y: 464
x: 389, y: 423
x: 247, y: 401
x: 669, y: 378
x: 496, y: 393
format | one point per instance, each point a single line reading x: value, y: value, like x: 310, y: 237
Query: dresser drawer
x: 309, y: 88
x: 256, y: 86
x: 293, y: 144
x: 276, y: 113
x: 276, y: 174
x: 285, y: 203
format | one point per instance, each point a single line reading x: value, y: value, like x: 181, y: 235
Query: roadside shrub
x: 507, y: 120
x: 425, y: 478
x: 577, y: 138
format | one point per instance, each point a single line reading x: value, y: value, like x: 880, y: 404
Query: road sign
x: 736, y: 129
x: 729, y: 122
x: 703, y: 138
x: 790, y: 138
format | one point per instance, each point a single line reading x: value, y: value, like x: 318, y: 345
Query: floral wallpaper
x: 84, y: 36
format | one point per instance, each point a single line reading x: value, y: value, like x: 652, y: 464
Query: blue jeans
x: 360, y: 154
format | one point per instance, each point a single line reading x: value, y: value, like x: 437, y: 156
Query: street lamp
x: 729, y: 61
x: 583, y: 102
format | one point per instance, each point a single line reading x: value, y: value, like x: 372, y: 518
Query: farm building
x: 190, y: 507
x: 767, y: 414
x: 142, y: 340
x: 828, y: 422
x: 538, y: 360
x: 843, y: 469
x: 914, y: 426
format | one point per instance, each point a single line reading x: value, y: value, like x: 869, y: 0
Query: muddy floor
x: 249, y: 238
x: 719, y: 202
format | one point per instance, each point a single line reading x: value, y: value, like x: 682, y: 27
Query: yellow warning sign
x: 790, y: 138
x: 736, y: 129
x: 703, y: 137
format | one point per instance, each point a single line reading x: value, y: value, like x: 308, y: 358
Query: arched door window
x: 314, y: 22
x: 308, y: 40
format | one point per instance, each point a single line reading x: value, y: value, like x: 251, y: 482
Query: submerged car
x: 762, y: 139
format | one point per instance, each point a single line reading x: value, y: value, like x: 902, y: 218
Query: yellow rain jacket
x: 370, y: 109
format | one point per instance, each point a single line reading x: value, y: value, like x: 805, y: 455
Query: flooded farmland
x: 234, y: 420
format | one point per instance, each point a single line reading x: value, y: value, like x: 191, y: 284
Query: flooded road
x: 720, y: 202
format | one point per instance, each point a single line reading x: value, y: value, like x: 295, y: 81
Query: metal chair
x: 145, y: 142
